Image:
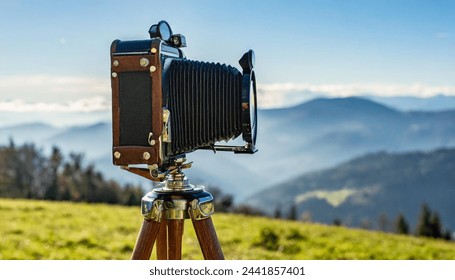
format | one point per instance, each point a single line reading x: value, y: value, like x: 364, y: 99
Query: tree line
x: 26, y: 172
x: 428, y: 225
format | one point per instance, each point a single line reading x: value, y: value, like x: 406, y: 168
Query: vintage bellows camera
x: 165, y: 105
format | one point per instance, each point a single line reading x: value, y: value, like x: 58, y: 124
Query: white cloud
x: 53, y: 89
x: 289, y: 94
x: 86, y: 105
x: 45, y: 93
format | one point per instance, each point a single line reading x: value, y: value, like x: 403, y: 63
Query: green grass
x: 59, y: 230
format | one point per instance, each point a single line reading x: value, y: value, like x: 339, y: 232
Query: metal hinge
x: 166, y: 136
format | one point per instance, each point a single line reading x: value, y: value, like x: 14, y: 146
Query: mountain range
x: 409, y: 103
x: 361, y: 190
x: 324, y: 132
x: 314, y: 135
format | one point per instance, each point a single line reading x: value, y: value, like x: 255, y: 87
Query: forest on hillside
x: 26, y: 172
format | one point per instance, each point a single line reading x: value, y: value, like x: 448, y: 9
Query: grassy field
x: 58, y: 230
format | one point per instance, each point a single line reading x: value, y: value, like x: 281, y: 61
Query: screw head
x: 155, y: 173
x: 153, y: 50
x: 115, y: 63
x: 152, y: 68
x: 114, y: 75
x: 144, y: 62
x: 117, y: 154
x: 146, y: 155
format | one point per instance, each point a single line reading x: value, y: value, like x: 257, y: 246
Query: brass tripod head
x: 177, y: 198
x: 176, y: 179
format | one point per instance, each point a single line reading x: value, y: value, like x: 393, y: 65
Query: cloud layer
x: 43, y: 93
x: 52, y: 89
x: 289, y: 94
x: 64, y: 94
x: 86, y: 105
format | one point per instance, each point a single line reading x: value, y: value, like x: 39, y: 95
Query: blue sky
x: 54, y: 55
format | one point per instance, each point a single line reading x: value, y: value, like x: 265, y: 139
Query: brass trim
x: 201, y: 210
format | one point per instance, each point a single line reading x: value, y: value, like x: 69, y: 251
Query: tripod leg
x: 147, y: 236
x: 175, y: 231
x: 208, y: 240
x: 161, y: 242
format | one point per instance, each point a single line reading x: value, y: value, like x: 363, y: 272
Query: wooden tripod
x: 165, y: 209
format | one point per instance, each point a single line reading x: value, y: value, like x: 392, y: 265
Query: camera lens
x: 253, y: 109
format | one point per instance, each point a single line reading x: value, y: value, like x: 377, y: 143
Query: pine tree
x: 447, y: 235
x: 435, y: 225
x: 401, y: 225
x: 424, y: 224
x: 55, y: 161
x: 277, y: 213
x: 337, y: 222
x: 293, y: 213
x: 429, y: 223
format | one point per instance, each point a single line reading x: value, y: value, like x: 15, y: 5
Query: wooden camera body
x: 137, y: 106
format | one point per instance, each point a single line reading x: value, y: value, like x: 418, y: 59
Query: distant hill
x: 407, y: 103
x: 95, y: 140
x: 314, y: 135
x: 36, y: 132
x: 364, y: 188
x: 325, y: 132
